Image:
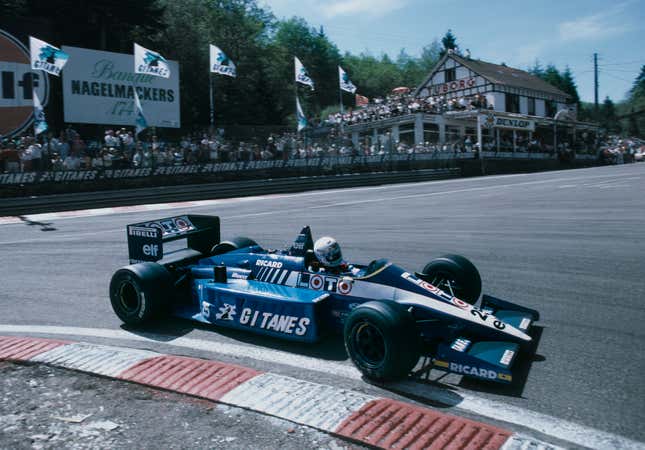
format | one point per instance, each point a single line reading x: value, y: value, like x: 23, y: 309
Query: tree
x: 568, y: 85
x: 430, y: 55
x: 608, y: 118
x: 98, y: 23
x: 563, y: 81
x: 449, y: 42
x: 638, y: 88
x: 536, y: 69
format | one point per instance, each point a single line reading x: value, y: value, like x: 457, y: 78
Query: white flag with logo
x: 150, y: 62
x: 220, y: 63
x: 301, y: 74
x: 40, y: 124
x: 345, y: 84
x: 46, y: 57
x: 302, y: 120
x: 139, y: 120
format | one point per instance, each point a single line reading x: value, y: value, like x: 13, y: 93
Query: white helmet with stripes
x: 328, y: 252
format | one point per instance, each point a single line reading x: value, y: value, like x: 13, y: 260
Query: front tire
x: 456, y: 275
x: 141, y: 292
x: 382, y: 341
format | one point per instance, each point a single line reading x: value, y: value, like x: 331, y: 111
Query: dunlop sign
x: 514, y: 123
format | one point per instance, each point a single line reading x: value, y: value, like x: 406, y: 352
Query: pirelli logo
x: 143, y: 232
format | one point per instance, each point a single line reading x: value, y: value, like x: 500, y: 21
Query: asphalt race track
x: 570, y: 244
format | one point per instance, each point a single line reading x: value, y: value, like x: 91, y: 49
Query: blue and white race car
x: 389, y: 317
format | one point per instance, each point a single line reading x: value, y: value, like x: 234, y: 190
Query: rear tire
x: 232, y: 244
x: 382, y: 340
x: 457, y: 273
x: 141, y: 292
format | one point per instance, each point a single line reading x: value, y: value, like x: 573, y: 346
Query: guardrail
x: 125, y: 197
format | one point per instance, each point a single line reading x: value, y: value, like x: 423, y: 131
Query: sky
x: 516, y: 32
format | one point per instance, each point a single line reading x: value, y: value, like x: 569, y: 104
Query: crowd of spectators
x: 615, y: 149
x: 401, y: 104
x: 118, y: 149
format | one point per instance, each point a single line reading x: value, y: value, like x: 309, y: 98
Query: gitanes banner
x: 98, y: 87
x: 317, y: 164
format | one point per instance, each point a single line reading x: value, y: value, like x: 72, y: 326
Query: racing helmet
x: 328, y: 251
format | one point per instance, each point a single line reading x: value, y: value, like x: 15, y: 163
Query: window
x: 451, y: 75
x: 550, y: 108
x: 512, y: 103
x: 531, y: 109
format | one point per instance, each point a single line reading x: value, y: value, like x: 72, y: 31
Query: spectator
x: 72, y: 162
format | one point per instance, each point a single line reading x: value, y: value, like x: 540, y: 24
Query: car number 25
x: 483, y: 317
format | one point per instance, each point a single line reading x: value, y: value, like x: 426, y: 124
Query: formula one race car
x: 389, y: 317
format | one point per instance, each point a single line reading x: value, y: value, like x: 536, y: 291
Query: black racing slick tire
x: 141, y: 292
x: 232, y: 244
x: 454, y: 274
x: 382, y: 340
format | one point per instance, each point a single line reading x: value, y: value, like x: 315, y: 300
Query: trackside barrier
x: 126, y: 197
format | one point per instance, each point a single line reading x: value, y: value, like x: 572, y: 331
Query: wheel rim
x: 128, y: 297
x: 369, y: 343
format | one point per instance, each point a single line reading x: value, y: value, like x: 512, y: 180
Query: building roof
x: 503, y: 75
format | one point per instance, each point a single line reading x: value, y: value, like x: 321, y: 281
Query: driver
x: 329, y: 255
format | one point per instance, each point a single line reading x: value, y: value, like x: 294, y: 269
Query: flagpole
x: 295, y: 91
x: 32, y: 102
x: 212, y: 100
x: 340, y: 100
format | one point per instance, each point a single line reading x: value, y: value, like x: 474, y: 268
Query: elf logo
x: 17, y: 83
x: 151, y: 250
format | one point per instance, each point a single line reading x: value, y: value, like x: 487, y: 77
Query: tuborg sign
x: 16, y: 82
x: 98, y: 87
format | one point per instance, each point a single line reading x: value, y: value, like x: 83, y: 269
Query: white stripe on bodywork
x: 99, y: 359
x: 367, y: 289
x: 260, y: 273
x: 276, y: 275
x: 312, y: 404
x: 292, y: 279
x: 266, y: 275
x: 284, y: 277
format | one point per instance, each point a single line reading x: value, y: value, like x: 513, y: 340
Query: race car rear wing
x: 146, y: 239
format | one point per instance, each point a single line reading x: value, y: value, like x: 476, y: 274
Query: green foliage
x: 562, y: 80
x: 608, y: 119
x: 449, y: 42
x: 634, y: 107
